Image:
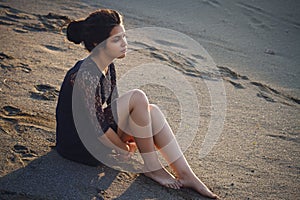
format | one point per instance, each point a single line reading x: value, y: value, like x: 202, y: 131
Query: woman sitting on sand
x: 103, y: 35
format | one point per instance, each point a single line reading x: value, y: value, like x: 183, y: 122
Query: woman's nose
x: 124, y: 41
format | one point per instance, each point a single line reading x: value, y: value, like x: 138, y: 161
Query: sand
x: 255, y: 48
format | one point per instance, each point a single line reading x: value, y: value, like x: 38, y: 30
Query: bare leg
x: 166, y: 142
x: 134, y: 113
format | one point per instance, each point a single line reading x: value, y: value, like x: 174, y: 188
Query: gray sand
x: 255, y: 47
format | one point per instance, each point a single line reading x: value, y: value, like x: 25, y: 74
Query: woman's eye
x: 116, y: 39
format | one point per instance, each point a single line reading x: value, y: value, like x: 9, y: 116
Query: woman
x: 113, y: 117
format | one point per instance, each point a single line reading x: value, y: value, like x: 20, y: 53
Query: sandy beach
x: 244, y: 143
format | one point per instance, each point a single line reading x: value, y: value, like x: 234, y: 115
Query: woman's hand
x: 128, y: 143
x: 132, y: 147
x: 126, y: 155
x: 126, y: 138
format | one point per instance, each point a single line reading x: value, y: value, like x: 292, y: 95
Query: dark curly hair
x: 95, y: 28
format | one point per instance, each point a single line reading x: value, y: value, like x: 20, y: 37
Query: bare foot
x: 195, y: 183
x: 163, y: 177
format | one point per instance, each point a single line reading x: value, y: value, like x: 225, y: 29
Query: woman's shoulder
x: 86, y: 70
x: 82, y: 65
x: 75, y: 68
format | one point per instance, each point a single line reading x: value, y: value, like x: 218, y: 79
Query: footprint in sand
x: 236, y: 85
x: 170, y: 44
x: 10, y: 114
x: 13, y: 114
x: 51, y: 22
x: 54, y: 22
x: 226, y: 72
x: 24, y: 152
x: 256, y: 23
x: 25, y: 22
x: 11, y: 111
x: 24, y: 67
x: 229, y: 75
x: 286, y: 136
x: 272, y: 95
x: 7, y: 64
x: 44, y: 92
x: 19, y: 30
x: 199, y: 57
x: 266, y: 97
x: 52, y: 49
x: 159, y: 56
x: 213, y: 3
x: 5, y: 56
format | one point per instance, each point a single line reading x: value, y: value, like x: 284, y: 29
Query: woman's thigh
x: 125, y: 104
x: 123, y: 111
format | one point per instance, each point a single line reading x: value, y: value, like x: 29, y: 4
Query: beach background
x: 255, y: 46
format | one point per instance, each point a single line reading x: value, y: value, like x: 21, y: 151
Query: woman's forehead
x: 117, y: 30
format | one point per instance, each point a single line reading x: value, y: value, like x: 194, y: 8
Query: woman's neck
x: 102, y: 62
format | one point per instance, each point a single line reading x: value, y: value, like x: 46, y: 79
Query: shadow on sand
x: 53, y: 177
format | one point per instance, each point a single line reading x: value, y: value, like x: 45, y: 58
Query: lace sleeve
x: 87, y: 99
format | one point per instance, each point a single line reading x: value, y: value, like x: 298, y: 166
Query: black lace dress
x: 94, y: 99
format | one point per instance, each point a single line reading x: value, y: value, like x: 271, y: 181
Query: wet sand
x: 255, y: 157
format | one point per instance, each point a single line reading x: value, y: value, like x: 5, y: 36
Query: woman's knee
x: 154, y: 108
x: 139, y: 97
x: 156, y: 112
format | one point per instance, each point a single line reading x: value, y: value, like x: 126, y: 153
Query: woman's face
x: 116, y: 44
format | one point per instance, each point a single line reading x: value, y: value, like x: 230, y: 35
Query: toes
x: 173, y: 186
x: 176, y: 186
x: 179, y: 183
x: 169, y: 186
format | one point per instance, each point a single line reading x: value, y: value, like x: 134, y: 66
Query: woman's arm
x: 87, y: 83
x: 112, y: 140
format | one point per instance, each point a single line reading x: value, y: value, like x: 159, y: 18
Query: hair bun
x: 75, y: 31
